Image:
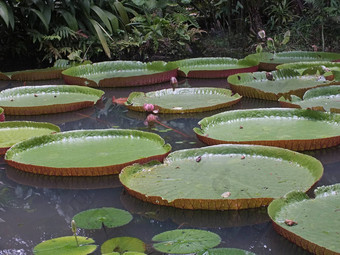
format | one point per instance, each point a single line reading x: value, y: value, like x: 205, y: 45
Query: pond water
x: 34, y: 208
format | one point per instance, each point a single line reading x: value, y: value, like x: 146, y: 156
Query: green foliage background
x: 39, y: 32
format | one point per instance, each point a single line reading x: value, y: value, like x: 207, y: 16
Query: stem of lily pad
x: 179, y: 132
x: 104, y: 230
x: 74, y: 230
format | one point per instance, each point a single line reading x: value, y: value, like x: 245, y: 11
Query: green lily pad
x: 295, y: 129
x: 214, y: 67
x: 182, y: 241
x: 122, y: 245
x: 225, y: 251
x: 312, y: 224
x: 323, y: 98
x: 12, y: 132
x: 86, y: 152
x: 269, y: 61
x: 235, y: 177
x: 183, y: 100
x: 33, y: 100
x: 2, y: 115
x: 272, y: 86
x: 66, y: 245
x: 302, y: 66
x: 120, y: 73
x: 107, y: 216
x: 34, y: 74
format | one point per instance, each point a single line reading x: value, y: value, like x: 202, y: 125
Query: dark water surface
x: 35, y: 208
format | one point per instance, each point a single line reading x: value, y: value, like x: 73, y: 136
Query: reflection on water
x: 34, y: 208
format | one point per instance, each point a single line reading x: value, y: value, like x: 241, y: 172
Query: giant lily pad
x: 122, y: 245
x: 33, y: 100
x: 225, y: 251
x: 294, y: 129
x: 86, y: 153
x: 269, y: 61
x: 323, y: 99
x: 303, y: 66
x: 272, y: 86
x: 183, y: 100
x: 12, y: 132
x: 34, y: 74
x: 120, y: 73
x: 107, y: 216
x: 312, y: 224
x: 2, y: 115
x: 214, y: 67
x: 235, y: 177
x: 66, y: 245
x: 182, y: 241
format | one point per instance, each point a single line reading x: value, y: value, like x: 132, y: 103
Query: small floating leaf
x: 96, y: 218
x: 225, y: 251
x: 122, y: 245
x: 65, y: 245
x: 181, y: 241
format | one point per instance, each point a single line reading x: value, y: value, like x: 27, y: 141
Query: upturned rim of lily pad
x: 267, y: 59
x: 224, y: 202
x: 237, y: 84
x: 49, y: 73
x: 163, y: 72
x: 297, y: 198
x: 83, y: 171
x: 223, y: 71
x: 53, y: 107
x: 292, y: 144
x: 26, y: 124
x: 231, y: 99
x: 2, y: 114
x: 309, y: 95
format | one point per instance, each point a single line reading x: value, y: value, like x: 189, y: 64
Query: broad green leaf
x: 273, y: 85
x: 32, y: 100
x: 323, y: 98
x: 295, y: 129
x: 99, y: 30
x: 225, y: 251
x: 122, y: 245
x: 42, y: 18
x: 102, y: 15
x: 122, y: 12
x: 235, y: 177
x: 70, y: 20
x: 113, y: 20
x: 182, y: 241
x: 66, y: 245
x: 87, y: 152
x: 314, y: 222
x: 12, y: 132
x: 183, y: 100
x: 4, y: 14
x: 302, y: 66
x: 33, y: 74
x: 107, y: 216
x: 120, y: 73
x: 209, y: 67
x: 269, y: 61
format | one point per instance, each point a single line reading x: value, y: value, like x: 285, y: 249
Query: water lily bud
x: 173, y: 81
x: 315, y: 48
x: 148, y: 107
x: 74, y: 226
x: 150, y: 119
x: 262, y: 34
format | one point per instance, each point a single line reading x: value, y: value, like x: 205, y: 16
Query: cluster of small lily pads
x: 247, y: 170
x: 180, y: 241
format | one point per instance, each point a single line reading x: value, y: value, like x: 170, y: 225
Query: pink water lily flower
x: 173, y: 82
x: 151, y: 118
x: 148, y: 107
